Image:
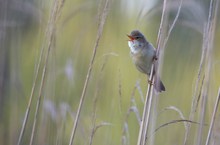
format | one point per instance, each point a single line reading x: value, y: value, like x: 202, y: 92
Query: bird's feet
x: 150, y: 82
x: 155, y: 58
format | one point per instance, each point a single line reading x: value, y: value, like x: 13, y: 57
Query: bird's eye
x: 137, y: 37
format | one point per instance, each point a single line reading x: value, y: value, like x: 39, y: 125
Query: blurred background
x: 116, y: 90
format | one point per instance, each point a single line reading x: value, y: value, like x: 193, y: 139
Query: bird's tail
x: 159, y: 86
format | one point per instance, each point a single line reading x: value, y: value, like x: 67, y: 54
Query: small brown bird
x: 143, y: 54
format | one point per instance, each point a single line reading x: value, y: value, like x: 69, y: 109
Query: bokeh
x: 116, y: 91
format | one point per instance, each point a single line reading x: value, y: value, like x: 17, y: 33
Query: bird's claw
x: 150, y: 82
x: 155, y: 58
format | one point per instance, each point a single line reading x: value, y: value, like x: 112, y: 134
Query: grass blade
x: 100, y: 30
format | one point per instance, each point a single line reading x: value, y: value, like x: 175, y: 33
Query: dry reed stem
x: 195, y: 100
x: 160, y: 53
x: 180, y: 113
x: 172, y: 122
x: 30, y: 98
x: 207, y: 49
x: 96, y: 127
x: 213, y: 118
x: 204, y: 97
x: 34, y: 86
x: 146, y: 113
x: 173, y: 24
x: 132, y: 108
x: 50, y: 35
x: 148, y: 100
x: 95, y: 101
x: 210, y: 29
x: 176, y: 121
x: 100, y: 30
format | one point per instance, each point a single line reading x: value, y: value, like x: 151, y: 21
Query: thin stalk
x: 100, y: 30
x: 96, y: 97
x: 213, y: 118
x: 32, y: 91
x: 173, y: 24
x: 195, y: 99
x: 50, y: 36
x: 30, y: 98
x: 172, y: 122
x: 125, y: 132
x: 209, y: 43
x: 148, y: 101
x: 206, y: 42
x: 162, y: 46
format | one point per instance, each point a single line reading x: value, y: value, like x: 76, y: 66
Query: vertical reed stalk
x: 213, y: 118
x: 49, y: 36
x: 210, y: 29
x: 208, y: 36
x: 148, y: 100
x: 195, y: 98
x: 100, y: 30
x: 96, y: 97
x: 218, y: 96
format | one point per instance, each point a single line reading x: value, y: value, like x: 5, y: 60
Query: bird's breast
x: 135, y: 46
x: 143, y: 59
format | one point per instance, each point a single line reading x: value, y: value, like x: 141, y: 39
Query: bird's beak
x: 131, y: 38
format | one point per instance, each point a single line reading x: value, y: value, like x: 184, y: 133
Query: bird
x: 143, y: 55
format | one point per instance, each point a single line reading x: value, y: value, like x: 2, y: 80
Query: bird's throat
x: 135, y: 47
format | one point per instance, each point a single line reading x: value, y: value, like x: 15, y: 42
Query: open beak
x: 131, y: 38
